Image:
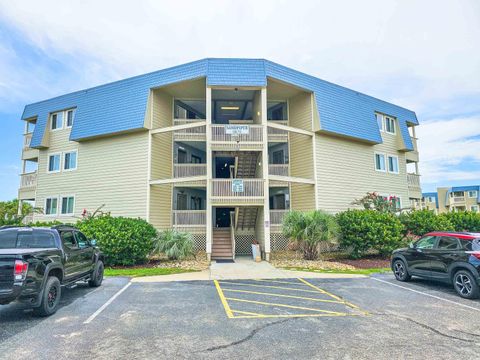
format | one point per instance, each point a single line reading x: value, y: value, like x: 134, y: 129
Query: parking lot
x: 362, y: 318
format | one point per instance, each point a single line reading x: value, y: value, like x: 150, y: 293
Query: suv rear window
x: 26, y: 239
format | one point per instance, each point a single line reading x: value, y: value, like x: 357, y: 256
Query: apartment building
x: 221, y: 148
x: 457, y: 198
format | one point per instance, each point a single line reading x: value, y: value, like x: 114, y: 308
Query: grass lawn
x: 331, y: 271
x: 146, y: 271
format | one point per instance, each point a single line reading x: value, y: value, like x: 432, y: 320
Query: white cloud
x: 450, y: 150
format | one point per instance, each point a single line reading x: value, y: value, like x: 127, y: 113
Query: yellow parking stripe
x: 269, y: 286
x: 223, y: 300
x: 248, y: 313
x: 332, y: 295
x: 292, y: 316
x: 284, y: 305
x: 285, y: 296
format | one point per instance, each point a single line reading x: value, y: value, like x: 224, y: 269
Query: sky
x: 423, y: 55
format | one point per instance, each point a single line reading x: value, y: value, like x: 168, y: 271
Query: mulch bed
x: 367, y: 263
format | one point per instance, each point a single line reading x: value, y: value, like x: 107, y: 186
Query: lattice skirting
x: 199, y: 242
x: 243, y: 244
x: 278, y: 242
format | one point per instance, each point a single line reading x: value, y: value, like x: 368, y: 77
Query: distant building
x: 221, y: 148
x: 457, y: 198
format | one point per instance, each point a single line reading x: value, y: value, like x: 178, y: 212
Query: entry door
x: 73, y: 261
x: 86, y: 253
x: 182, y: 156
x: 182, y: 202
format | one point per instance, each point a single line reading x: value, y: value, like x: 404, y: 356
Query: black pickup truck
x: 36, y: 262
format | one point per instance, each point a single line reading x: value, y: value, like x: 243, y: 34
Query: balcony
x: 414, y: 188
x: 278, y: 169
x: 251, y: 139
x: 28, y: 184
x: 185, y: 218
x: 192, y: 134
x: 276, y: 216
x: 27, y: 152
x: 189, y: 170
x: 251, y: 192
x: 276, y: 135
x: 412, y: 156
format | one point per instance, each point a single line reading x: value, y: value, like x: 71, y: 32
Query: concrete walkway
x: 242, y: 268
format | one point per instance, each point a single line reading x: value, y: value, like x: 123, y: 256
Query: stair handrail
x: 232, y: 232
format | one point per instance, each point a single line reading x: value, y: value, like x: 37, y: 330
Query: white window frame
x: 382, y: 123
x: 472, y: 191
x: 66, y: 118
x: 388, y: 164
x: 384, y: 162
x: 386, y: 118
x: 59, y: 165
x: 60, y: 204
x: 45, y: 205
x: 58, y: 113
x: 76, y: 160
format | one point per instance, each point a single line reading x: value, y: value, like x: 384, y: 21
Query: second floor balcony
x: 197, y: 133
x: 28, y: 180
x: 237, y: 191
x: 414, y: 188
x: 236, y: 137
x: 278, y: 169
x: 189, y: 170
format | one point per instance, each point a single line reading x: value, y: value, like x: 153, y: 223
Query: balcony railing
x: 27, y: 139
x: 458, y: 199
x: 277, y: 135
x: 28, y: 180
x: 276, y: 216
x: 252, y: 189
x: 189, y: 170
x: 278, y: 169
x: 413, y: 180
x: 189, y: 217
x: 193, y: 134
x: 254, y: 134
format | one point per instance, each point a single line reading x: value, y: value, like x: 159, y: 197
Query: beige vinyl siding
x: 160, y: 206
x: 302, y: 197
x: 301, y: 155
x: 346, y: 171
x: 162, y: 109
x: 110, y: 171
x: 162, y: 156
x: 300, y: 111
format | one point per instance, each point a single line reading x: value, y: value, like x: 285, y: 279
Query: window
x: 54, y: 163
x: 82, y: 240
x: 196, y: 203
x: 426, y: 243
x: 35, y: 239
x: 68, y: 240
x: 70, y: 116
x: 379, y: 162
x: 56, y: 121
x: 51, y: 205
x: 380, y: 121
x: 182, y: 156
x: 67, y: 205
x: 389, y: 125
x: 474, y: 208
x: 182, y: 202
x: 278, y: 157
x: 196, y: 159
x: 472, y: 194
x: 447, y: 243
x: 393, y: 164
x: 70, y: 160
x: 8, y: 239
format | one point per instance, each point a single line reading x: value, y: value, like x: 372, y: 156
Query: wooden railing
x: 276, y: 216
x: 195, y: 133
x: 252, y: 188
x: 189, y: 217
x: 255, y: 134
x: 278, y: 169
x: 413, y: 180
x: 27, y: 139
x: 458, y: 199
x: 28, y: 180
x: 189, y: 170
x: 414, y: 142
x: 277, y: 134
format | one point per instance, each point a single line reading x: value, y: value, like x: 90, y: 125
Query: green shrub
x: 420, y: 222
x: 45, y: 223
x: 174, y: 244
x: 364, y: 230
x: 124, y: 241
x: 464, y: 220
x: 309, y: 229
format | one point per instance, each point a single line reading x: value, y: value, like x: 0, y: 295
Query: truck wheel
x: 97, y: 275
x: 51, y: 295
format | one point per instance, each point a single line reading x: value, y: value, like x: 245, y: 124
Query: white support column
x: 266, y: 203
x: 209, y: 217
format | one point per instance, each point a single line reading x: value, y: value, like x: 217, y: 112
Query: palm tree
x: 176, y: 245
x: 309, y: 229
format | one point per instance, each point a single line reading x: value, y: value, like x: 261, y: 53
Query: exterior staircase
x: 246, y: 165
x: 246, y: 217
x: 222, y: 244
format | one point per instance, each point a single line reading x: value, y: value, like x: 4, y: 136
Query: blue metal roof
x: 120, y: 106
x: 432, y: 194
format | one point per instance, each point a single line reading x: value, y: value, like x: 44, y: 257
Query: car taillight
x: 20, y: 270
x: 476, y: 254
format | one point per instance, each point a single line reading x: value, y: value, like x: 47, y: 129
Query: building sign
x: 237, y: 185
x: 237, y: 129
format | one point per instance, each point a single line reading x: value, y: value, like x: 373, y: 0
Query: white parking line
x: 103, y: 307
x: 426, y: 294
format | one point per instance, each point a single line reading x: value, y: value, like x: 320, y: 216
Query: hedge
x: 420, y: 222
x: 365, y: 230
x: 124, y: 241
x: 464, y: 220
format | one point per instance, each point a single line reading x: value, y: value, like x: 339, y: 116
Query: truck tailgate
x: 6, y: 271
